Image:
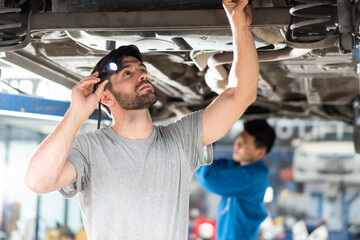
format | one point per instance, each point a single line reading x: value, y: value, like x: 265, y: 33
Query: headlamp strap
x: 99, y: 115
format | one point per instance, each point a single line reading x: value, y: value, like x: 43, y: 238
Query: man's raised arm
x: 241, y: 91
x: 49, y: 169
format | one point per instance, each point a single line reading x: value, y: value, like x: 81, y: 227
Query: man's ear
x: 261, y: 152
x: 106, y: 99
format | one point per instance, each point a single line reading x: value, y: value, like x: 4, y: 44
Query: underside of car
x: 307, y: 50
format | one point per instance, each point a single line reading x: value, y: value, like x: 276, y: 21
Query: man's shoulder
x: 192, y: 115
x: 263, y: 168
x: 259, y: 167
x: 180, y: 122
x: 262, y: 165
x: 92, y: 135
x: 88, y: 134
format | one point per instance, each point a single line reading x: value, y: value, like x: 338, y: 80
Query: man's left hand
x: 238, y: 12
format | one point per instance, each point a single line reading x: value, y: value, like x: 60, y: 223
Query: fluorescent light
x: 30, y: 115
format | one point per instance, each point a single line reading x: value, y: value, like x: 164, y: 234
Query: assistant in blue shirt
x: 241, y: 183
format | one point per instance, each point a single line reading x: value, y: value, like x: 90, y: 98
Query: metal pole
x: 7, y: 144
x: 345, y: 213
x: 37, y: 219
x: 66, y: 212
x: 274, y: 175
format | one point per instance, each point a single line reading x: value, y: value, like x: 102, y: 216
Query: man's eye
x: 126, y: 73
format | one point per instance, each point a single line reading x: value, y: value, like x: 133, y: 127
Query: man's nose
x: 143, y: 76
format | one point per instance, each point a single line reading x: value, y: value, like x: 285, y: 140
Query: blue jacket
x: 241, y: 209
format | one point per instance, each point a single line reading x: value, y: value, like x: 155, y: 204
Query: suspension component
x: 312, y: 24
x: 12, y: 35
x: 346, y: 38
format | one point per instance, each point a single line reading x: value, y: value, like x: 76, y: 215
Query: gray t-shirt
x: 138, y: 189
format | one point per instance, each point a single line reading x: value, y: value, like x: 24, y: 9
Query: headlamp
x: 108, y: 70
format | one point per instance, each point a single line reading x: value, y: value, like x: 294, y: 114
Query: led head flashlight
x: 108, y: 70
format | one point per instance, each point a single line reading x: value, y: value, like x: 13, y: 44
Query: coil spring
x: 309, y: 20
x: 6, y: 38
x: 10, y: 26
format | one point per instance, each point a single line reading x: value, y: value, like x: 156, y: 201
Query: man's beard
x: 137, y: 101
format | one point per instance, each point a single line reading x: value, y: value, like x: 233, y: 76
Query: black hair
x: 263, y: 133
x: 115, y: 56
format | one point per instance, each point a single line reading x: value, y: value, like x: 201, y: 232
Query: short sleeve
x: 189, y: 132
x: 79, y: 157
x: 230, y: 179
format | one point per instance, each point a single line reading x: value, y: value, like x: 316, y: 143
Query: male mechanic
x: 241, y: 183
x: 132, y: 179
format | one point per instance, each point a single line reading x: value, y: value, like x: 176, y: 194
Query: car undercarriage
x: 307, y: 50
